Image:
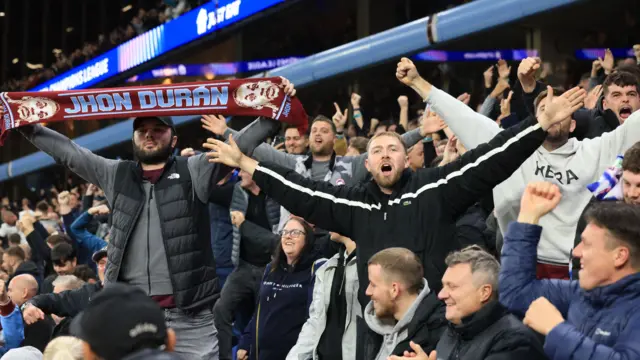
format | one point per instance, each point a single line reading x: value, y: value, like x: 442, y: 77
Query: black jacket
x: 592, y: 123
x: 425, y: 329
x: 185, y: 230
x: 421, y: 212
x: 67, y: 303
x: 490, y: 334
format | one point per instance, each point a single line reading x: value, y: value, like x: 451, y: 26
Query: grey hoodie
x: 572, y: 167
x: 393, y: 332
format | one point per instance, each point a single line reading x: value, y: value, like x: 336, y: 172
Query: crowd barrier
x: 403, y: 40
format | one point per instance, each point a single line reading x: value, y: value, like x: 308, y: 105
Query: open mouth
x: 625, y: 112
x: 386, y: 169
x: 288, y: 243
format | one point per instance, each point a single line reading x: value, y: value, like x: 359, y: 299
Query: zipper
x: 149, y: 240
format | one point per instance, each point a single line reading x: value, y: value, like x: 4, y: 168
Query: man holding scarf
x: 160, y: 220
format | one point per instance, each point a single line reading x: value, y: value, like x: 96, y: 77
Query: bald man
x: 21, y: 289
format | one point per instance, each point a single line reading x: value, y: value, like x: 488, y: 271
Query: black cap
x: 99, y: 254
x: 120, y: 320
x: 163, y: 119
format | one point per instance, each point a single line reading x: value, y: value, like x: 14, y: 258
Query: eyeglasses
x: 292, y: 233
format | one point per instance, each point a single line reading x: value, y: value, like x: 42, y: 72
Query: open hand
x: 505, y: 105
x: 355, y: 100
x: 608, y: 61
x: 32, y: 314
x: 450, y: 151
x: 488, y: 77
x: 561, y: 107
x: 538, y: 199
x: 591, y: 101
x: 221, y: 152
x: 216, y: 124
x: 431, y: 122
x: 503, y: 69
x: 406, y: 72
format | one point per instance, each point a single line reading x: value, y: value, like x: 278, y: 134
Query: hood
x: 28, y: 267
x: 388, y: 326
x: 568, y: 149
x: 23, y: 353
x: 152, y: 354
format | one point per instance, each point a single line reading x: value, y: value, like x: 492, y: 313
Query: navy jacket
x: 282, y: 309
x: 603, y: 323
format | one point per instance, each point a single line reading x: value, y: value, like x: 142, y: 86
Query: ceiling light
x: 15, y: 60
x: 69, y: 29
x: 1, y: 13
x: 127, y: 8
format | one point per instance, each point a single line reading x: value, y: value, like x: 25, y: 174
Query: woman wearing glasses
x: 285, y: 295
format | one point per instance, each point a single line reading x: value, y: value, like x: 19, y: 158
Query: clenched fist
x: 406, y: 72
x: 538, y: 199
x: 526, y: 73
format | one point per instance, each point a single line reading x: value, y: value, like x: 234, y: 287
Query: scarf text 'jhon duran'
x: 246, y: 97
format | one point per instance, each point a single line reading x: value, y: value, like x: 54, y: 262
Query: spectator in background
x: 14, y: 262
x: 357, y: 146
x: 415, y: 155
x: 277, y: 321
x: 64, y: 260
x: 64, y: 348
x: 480, y: 327
x: 294, y: 142
x: 334, y: 310
x: 9, y: 221
x: 86, y: 274
x: 402, y: 307
x: 122, y: 322
x: 254, y: 217
x: 595, y: 317
x: 14, y: 240
x: 23, y: 353
x: 84, y: 237
x: 23, y: 288
x: 66, y: 282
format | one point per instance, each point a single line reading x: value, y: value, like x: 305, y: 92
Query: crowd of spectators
x: 501, y: 232
x: 143, y: 21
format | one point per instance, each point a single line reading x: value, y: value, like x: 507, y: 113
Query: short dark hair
x: 43, y: 206
x: 56, y: 239
x: 401, y: 264
x: 63, y: 252
x: 85, y: 273
x: 631, y: 161
x: 620, y: 78
x: 322, y: 118
x: 359, y: 143
x: 14, y: 239
x: 556, y: 92
x: 291, y: 126
x: 633, y: 69
x: 16, y: 251
x: 621, y: 221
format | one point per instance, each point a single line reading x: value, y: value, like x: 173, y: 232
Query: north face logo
x: 174, y: 176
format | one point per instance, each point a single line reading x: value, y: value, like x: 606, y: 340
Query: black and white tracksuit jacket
x: 419, y: 215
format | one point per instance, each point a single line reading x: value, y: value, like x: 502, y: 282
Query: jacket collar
x: 479, y: 321
x: 167, y: 165
x: 374, y: 189
x: 309, y: 161
x: 621, y: 290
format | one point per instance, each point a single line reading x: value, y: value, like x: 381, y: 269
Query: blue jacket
x: 283, y: 307
x: 84, y: 237
x: 603, y: 323
x: 13, y: 330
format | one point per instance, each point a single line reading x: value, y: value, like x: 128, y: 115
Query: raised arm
x: 328, y: 207
x: 480, y: 170
x: 518, y: 284
x: 89, y: 166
